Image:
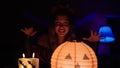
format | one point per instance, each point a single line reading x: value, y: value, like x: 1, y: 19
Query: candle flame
x: 33, y: 55
x: 23, y: 55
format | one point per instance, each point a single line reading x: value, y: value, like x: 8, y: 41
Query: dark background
x: 16, y: 15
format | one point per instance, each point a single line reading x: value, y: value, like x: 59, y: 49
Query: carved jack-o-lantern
x: 74, y: 55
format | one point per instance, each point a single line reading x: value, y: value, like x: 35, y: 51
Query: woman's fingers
x: 29, y: 31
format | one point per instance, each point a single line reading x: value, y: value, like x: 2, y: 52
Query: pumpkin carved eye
x: 85, y: 57
x: 68, y: 57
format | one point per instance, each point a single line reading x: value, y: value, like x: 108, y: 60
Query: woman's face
x: 62, y: 25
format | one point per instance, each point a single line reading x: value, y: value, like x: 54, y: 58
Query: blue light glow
x: 107, y: 34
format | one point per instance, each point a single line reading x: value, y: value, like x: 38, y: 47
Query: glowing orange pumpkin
x: 74, y: 55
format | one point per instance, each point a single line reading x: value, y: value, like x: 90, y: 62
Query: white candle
x: 34, y: 61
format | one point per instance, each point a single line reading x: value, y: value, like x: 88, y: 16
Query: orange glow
x: 73, y: 55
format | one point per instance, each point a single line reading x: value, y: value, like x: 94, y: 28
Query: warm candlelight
x: 22, y: 66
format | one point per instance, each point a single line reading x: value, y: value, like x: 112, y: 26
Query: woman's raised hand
x: 94, y: 37
x: 28, y: 31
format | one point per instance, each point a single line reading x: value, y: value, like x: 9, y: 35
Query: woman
x: 60, y: 30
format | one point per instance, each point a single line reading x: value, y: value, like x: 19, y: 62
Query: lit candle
x: 28, y: 62
x: 33, y: 55
x: 23, y: 55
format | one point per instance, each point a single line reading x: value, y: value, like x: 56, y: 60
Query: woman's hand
x: 28, y: 31
x: 94, y: 37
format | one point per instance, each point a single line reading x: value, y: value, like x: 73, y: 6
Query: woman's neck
x: 60, y: 40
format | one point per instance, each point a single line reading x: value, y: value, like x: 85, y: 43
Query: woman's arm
x: 29, y: 32
x: 93, y: 40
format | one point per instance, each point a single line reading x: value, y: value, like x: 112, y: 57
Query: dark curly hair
x: 52, y: 34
